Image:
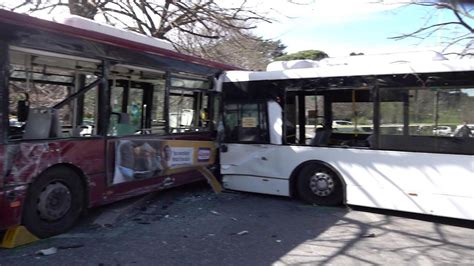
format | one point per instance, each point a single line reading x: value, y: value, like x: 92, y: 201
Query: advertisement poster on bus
x: 145, y: 158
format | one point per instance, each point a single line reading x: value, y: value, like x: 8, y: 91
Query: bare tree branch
x: 458, y: 29
x: 164, y: 19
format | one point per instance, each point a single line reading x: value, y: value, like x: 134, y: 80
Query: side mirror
x: 23, y: 107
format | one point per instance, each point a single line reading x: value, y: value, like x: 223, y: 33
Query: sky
x: 339, y: 27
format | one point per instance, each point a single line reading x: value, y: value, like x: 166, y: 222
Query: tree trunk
x: 83, y: 8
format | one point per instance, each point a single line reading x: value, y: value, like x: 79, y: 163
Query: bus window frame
x: 4, y: 93
x: 97, y: 83
x: 262, y: 105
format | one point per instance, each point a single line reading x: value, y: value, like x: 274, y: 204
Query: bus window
x: 425, y: 119
x: 314, y: 116
x: 137, y: 101
x: 158, y: 121
x: 246, y: 123
x: 47, y: 82
x: 189, y: 105
x: 134, y: 107
x: 352, y: 117
x: 181, y: 113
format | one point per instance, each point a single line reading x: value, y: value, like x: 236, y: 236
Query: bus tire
x: 317, y: 184
x: 54, y: 202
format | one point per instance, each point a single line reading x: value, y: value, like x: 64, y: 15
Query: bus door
x: 252, y: 135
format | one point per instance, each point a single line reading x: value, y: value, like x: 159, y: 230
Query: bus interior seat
x: 42, y: 123
x: 124, y: 126
x: 321, y: 138
x: 248, y: 134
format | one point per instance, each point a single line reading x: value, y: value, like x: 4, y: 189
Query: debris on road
x: 215, y: 213
x: 47, y: 252
x: 110, y: 216
x: 242, y: 233
x: 71, y: 246
x: 369, y: 235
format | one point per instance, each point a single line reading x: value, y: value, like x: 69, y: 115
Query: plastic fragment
x: 242, y: 233
x: 47, y: 252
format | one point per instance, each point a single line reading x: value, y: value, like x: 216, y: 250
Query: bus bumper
x: 11, y: 205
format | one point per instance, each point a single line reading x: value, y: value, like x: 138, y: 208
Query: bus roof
x: 360, y: 66
x: 90, y: 25
x: 107, y: 35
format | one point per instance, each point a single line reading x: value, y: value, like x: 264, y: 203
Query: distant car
x: 442, y: 130
x: 15, y: 123
x: 341, y: 123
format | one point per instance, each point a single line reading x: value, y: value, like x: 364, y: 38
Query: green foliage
x: 307, y: 54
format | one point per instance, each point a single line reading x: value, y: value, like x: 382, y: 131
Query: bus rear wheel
x: 54, y: 202
x: 317, y: 184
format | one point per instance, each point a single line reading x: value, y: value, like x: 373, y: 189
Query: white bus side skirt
x: 257, y: 184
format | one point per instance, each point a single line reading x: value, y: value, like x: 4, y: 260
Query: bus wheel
x: 54, y: 202
x: 319, y: 185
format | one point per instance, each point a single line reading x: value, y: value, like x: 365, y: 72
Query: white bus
x: 283, y: 133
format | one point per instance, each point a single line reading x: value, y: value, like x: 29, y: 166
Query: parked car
x: 341, y: 123
x: 442, y: 130
x: 15, y: 123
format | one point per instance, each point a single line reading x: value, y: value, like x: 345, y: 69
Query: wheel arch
x: 297, y: 170
x: 76, y: 170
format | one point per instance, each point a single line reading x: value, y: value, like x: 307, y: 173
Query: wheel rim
x: 322, y: 184
x: 54, y: 201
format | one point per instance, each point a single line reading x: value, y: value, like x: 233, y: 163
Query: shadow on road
x: 192, y: 226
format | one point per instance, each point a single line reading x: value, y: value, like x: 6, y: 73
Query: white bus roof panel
x: 87, y: 24
x: 360, y: 69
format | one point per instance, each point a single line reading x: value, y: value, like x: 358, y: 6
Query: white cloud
x: 291, y: 16
x: 313, y: 14
x: 325, y: 11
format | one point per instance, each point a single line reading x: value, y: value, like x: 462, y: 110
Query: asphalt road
x: 193, y: 226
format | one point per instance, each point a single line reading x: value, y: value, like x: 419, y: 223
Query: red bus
x: 91, y: 115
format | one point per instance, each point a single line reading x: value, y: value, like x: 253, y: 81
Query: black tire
x: 54, y: 202
x: 317, y: 184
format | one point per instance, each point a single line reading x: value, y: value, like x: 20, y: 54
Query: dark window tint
x: 246, y: 122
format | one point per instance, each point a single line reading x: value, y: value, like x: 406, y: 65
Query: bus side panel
x: 11, y: 198
x: 437, y: 184
x: 29, y: 159
x: 24, y: 162
x: 141, y: 164
x: 257, y: 184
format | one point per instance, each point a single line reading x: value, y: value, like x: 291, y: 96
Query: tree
x: 460, y: 28
x: 163, y: 19
x: 244, y: 50
x: 307, y: 54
